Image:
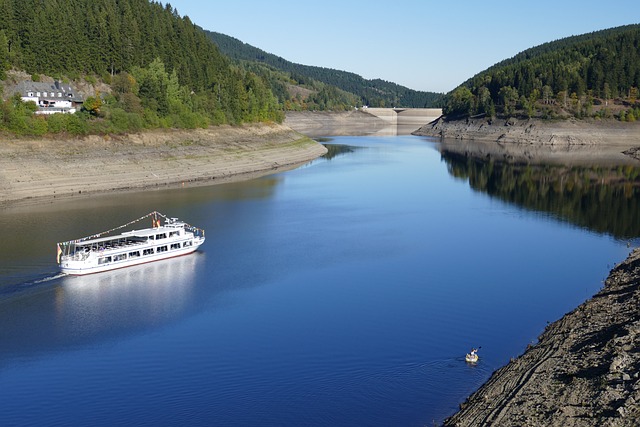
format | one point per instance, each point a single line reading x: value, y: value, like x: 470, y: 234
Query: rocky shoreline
x: 584, y: 370
x: 35, y: 169
x: 342, y: 123
x: 537, y: 132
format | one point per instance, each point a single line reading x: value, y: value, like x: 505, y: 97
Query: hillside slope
x: 375, y: 92
x: 579, y: 76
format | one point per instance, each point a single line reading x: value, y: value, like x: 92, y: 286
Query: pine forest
x: 162, y: 69
x: 592, y: 75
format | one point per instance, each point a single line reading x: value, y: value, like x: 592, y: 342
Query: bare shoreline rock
x: 36, y: 169
x: 557, y: 134
x: 325, y: 123
x: 584, y: 369
x: 582, y: 372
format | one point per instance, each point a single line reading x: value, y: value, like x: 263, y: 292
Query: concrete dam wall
x: 364, y: 121
x: 406, y: 116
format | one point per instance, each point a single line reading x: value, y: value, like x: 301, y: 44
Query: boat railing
x: 197, y: 232
x: 69, y: 250
x: 78, y: 256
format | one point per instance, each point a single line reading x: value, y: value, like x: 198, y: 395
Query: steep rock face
x: 584, y: 371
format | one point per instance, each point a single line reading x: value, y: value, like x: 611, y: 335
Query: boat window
x: 188, y: 243
x: 135, y: 254
x: 104, y: 260
x: 175, y: 246
x: 147, y: 251
x: 174, y: 233
x: 161, y: 236
x: 162, y: 248
x: 150, y: 237
x: 120, y: 257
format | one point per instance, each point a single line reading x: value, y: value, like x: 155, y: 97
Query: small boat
x: 94, y: 254
x: 472, y: 357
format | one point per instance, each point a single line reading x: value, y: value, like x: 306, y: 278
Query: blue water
x: 345, y: 292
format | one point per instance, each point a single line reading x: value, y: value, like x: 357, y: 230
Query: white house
x: 50, y: 97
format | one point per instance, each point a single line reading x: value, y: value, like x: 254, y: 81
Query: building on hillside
x: 50, y: 98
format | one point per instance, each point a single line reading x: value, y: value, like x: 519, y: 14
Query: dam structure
x: 361, y: 121
x: 405, y: 117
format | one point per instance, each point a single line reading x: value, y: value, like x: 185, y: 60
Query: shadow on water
x: 601, y: 198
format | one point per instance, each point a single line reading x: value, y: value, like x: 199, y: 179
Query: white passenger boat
x: 96, y: 253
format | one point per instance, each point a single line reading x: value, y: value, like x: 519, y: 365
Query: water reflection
x: 335, y: 150
x: 29, y: 233
x: 82, y: 309
x: 602, y: 198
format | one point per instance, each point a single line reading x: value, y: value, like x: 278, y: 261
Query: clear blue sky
x: 422, y: 44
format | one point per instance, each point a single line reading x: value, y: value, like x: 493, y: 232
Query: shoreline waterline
x: 581, y: 371
x: 47, y: 169
x: 162, y: 150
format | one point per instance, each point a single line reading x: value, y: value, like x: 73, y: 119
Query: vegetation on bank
x: 163, y: 71
x: 304, y: 87
x: 592, y: 75
x: 155, y: 69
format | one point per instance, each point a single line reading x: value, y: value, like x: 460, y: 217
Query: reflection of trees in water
x: 335, y: 150
x: 601, y: 198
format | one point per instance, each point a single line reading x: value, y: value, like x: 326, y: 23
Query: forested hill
x: 595, y: 74
x: 375, y: 92
x: 163, y: 69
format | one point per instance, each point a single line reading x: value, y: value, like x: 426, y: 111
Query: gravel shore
x: 35, y: 169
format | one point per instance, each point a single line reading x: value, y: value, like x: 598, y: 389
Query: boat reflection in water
x: 77, y: 310
x: 142, y: 295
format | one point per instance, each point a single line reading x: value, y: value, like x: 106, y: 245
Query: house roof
x: 68, y: 91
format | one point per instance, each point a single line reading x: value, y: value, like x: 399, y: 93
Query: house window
x: 30, y: 94
x: 44, y: 94
x: 38, y: 94
x: 59, y: 94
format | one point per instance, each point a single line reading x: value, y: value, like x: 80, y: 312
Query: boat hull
x: 80, y: 269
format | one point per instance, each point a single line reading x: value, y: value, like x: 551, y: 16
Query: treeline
x: 374, y: 93
x: 582, y: 76
x: 175, y: 75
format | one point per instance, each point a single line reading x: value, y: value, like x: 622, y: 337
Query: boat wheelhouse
x: 95, y: 253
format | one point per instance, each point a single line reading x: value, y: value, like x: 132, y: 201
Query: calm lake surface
x: 342, y: 293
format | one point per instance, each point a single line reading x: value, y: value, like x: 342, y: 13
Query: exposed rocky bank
x: 537, y: 132
x: 327, y: 123
x: 584, y: 370
x: 33, y: 169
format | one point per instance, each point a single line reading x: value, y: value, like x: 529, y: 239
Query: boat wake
x: 23, y: 285
x: 49, y: 278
